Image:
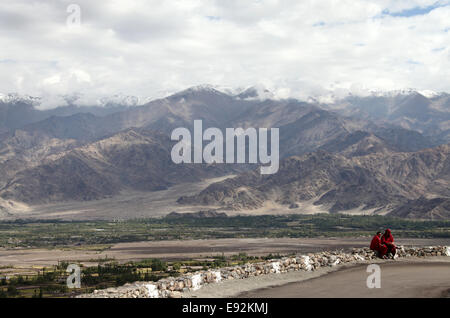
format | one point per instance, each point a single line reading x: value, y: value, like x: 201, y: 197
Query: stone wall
x: 175, y: 287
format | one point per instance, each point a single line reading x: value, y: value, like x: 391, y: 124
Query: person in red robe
x: 377, y: 246
x: 388, y: 240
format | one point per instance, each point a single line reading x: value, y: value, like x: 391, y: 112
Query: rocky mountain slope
x: 379, y: 181
x: 437, y: 208
x: 132, y: 159
x: 339, y: 151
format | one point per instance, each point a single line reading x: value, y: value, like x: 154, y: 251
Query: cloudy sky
x: 151, y: 48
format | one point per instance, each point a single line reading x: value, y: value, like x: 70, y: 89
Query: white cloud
x: 295, y: 48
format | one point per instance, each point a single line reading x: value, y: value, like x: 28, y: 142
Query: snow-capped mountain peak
x: 17, y: 98
x: 429, y: 93
x: 405, y: 92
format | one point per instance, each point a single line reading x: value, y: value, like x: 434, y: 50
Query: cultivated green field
x: 22, y: 233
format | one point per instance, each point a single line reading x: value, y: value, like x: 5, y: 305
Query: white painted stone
x: 152, y: 291
x: 306, y: 260
x: 447, y: 251
x: 196, y: 281
x: 217, y: 275
x: 276, y: 266
x: 336, y: 262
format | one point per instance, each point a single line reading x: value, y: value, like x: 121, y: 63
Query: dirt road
x: 398, y: 279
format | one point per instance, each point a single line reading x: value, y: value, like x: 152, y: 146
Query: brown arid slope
x: 132, y: 159
x: 437, y: 208
x: 380, y: 181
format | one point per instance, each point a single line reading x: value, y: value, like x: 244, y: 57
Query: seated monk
x: 388, y: 240
x: 377, y: 246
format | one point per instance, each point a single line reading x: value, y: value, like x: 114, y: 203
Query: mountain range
x: 378, y: 182
x: 380, y: 153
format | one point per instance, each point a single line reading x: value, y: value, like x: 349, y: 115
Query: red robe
x: 377, y: 246
x: 388, y: 240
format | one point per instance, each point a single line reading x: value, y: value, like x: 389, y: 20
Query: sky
x: 150, y: 48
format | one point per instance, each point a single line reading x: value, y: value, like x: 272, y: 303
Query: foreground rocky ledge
x: 176, y: 287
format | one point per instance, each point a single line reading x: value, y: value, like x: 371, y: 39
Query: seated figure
x: 388, y: 240
x: 377, y: 246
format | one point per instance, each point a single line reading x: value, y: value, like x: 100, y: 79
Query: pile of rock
x: 175, y: 287
x: 134, y: 290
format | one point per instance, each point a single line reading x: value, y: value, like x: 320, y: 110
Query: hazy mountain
x: 428, y: 114
x: 304, y: 127
x: 17, y: 111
